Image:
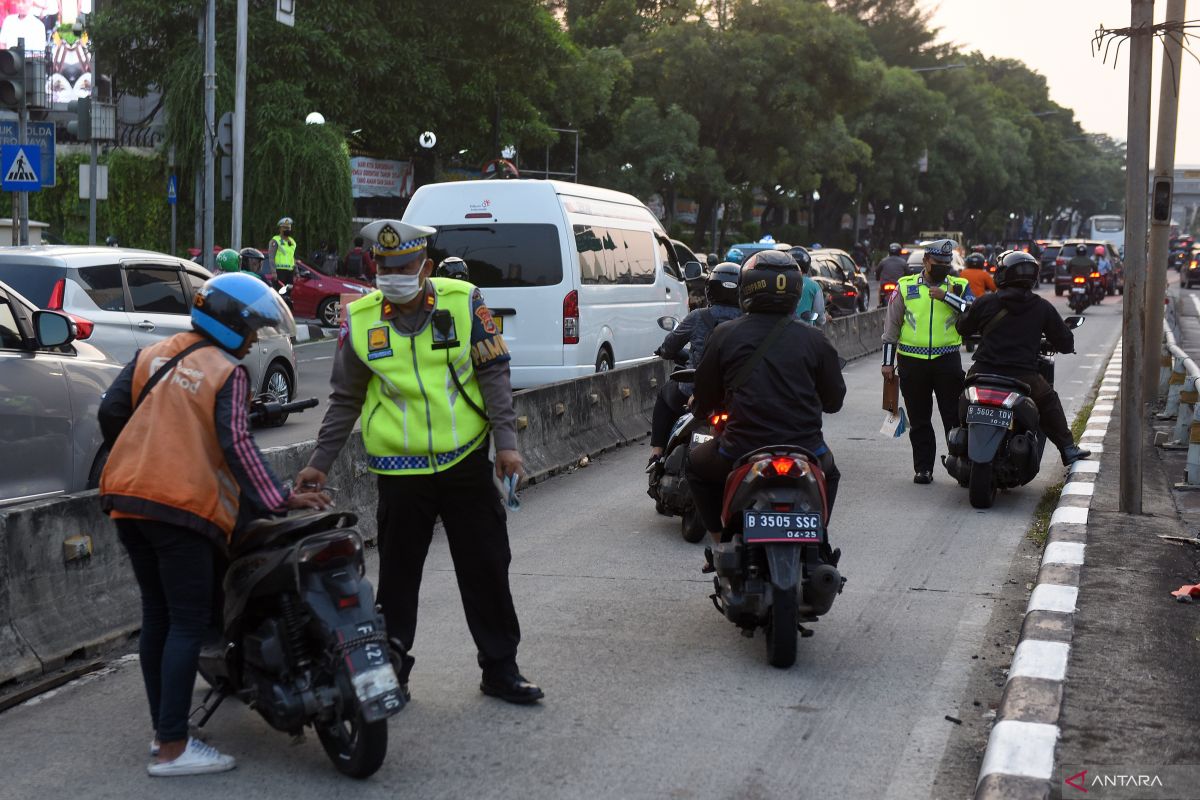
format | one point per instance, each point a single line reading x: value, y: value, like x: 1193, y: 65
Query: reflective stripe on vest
x: 414, y: 422
x: 928, y: 329
x: 285, y: 252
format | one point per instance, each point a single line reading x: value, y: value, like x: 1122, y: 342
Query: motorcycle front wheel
x: 982, y: 488
x: 356, y: 748
x: 781, y: 630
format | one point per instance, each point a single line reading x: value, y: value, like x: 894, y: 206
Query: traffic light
x: 1160, y: 210
x: 81, y: 126
x: 12, y: 78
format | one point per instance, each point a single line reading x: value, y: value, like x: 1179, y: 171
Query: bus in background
x: 1107, y: 228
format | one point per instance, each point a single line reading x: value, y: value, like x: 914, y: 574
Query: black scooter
x: 774, y: 568
x: 999, y: 442
x: 303, y: 643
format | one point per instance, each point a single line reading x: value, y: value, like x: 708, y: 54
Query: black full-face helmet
x: 1018, y: 269
x: 894, y: 249
x: 976, y: 261
x: 721, y: 287
x: 770, y: 283
x: 453, y: 267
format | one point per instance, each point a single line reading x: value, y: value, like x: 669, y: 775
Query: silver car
x: 49, y: 396
x: 123, y: 299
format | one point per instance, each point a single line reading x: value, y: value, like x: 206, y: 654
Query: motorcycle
x: 303, y: 643
x: 774, y: 568
x: 1081, y: 294
x: 668, y: 483
x: 999, y: 443
x: 885, y: 292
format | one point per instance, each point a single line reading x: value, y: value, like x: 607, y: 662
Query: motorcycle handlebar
x: 271, y: 411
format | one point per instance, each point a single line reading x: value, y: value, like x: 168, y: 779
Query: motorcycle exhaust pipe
x: 823, y: 585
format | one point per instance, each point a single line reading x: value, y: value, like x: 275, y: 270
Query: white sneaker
x: 197, y: 759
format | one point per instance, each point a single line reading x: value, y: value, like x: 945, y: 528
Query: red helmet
x: 1099, y: 250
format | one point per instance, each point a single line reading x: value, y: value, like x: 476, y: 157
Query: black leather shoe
x: 1074, y: 453
x: 923, y: 477
x: 512, y: 689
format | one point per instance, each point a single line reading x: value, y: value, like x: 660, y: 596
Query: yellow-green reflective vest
x: 285, y: 252
x: 928, y: 329
x: 414, y: 421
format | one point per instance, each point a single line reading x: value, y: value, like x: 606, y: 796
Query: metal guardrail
x: 1177, y: 390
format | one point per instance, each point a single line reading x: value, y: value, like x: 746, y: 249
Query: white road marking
x: 1064, y: 553
x: 1037, y: 659
x: 1020, y: 748
x: 1052, y: 597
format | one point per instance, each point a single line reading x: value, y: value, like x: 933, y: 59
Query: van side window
x: 614, y: 255
x: 503, y: 255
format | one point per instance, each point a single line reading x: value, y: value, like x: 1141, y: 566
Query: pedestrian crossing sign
x: 21, y: 167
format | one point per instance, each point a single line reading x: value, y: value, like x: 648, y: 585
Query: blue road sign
x: 37, y: 133
x: 172, y: 194
x: 20, y: 166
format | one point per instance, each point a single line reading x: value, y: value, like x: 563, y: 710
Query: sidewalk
x: 1132, y: 693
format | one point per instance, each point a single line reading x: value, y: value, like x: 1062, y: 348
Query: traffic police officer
x: 422, y: 363
x: 920, y: 328
x: 281, y: 254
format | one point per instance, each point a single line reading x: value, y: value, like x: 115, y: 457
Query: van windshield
x: 503, y: 255
x: 1108, y: 224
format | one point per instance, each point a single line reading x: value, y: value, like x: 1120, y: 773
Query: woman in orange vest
x: 183, y: 471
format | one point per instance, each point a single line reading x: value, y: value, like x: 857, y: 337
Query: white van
x: 576, y: 276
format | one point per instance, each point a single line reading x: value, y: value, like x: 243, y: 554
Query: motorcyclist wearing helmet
x: 711, y: 260
x: 1081, y: 264
x: 1104, y: 267
x: 184, y: 473
x: 1012, y: 322
x: 111, y: 241
x: 977, y: 275
x: 812, y: 298
x: 721, y: 290
x: 892, y: 268
x: 228, y: 260
x: 735, y: 255
x: 780, y: 402
x: 453, y: 267
x: 254, y: 262
x: 281, y: 254
x: 920, y: 343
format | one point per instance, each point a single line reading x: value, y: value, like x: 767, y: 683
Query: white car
x: 575, y: 276
x: 123, y: 299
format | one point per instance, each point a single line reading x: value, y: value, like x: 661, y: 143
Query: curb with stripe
x: 1019, y: 760
x: 307, y: 332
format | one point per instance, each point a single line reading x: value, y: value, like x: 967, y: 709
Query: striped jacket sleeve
x: 261, y: 490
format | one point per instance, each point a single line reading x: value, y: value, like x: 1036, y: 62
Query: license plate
x: 990, y: 415
x: 499, y: 323
x: 701, y: 438
x: 781, y: 526
x: 1078, y: 289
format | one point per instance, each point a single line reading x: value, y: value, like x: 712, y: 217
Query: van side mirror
x: 53, y: 329
x: 1074, y: 322
x: 692, y: 270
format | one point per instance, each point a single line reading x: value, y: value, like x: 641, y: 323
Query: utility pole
x: 174, y: 206
x: 210, y: 128
x: 23, y: 138
x: 239, y: 124
x: 1133, y: 348
x: 1164, y: 174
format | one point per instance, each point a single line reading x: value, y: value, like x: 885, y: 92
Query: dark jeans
x: 174, y: 570
x: 708, y: 467
x: 920, y: 381
x: 667, y: 408
x: 284, y: 276
x: 469, y: 505
x: 1051, y: 418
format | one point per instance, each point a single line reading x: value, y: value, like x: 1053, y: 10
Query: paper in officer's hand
x: 894, y: 425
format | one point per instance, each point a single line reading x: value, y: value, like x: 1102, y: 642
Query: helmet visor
x: 269, y: 311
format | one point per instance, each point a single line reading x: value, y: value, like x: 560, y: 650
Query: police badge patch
x: 379, y: 343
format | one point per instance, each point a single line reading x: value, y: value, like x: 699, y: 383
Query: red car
x: 315, y: 295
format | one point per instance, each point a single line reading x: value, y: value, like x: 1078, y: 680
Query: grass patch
x: 1080, y: 423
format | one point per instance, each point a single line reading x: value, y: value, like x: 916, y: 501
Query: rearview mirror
x: 1074, y: 322
x: 810, y: 317
x: 53, y: 329
x: 692, y: 270
x: 667, y: 323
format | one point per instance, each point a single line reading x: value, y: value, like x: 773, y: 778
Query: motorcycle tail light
x: 331, y: 549
x: 992, y: 397
x: 783, y: 465
x: 1079, y: 279
x: 1094, y: 275
x: 348, y: 602
x: 889, y: 287
x: 718, y: 420
x: 781, y: 506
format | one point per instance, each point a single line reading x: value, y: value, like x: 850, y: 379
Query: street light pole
x: 210, y: 121
x: 1137, y: 161
x: 239, y: 124
x: 1164, y: 167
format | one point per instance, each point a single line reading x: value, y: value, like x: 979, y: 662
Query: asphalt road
x: 650, y: 692
x: 314, y: 361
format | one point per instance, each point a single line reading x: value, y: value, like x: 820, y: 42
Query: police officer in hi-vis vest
x: 281, y: 254
x: 920, y: 327
x: 422, y: 363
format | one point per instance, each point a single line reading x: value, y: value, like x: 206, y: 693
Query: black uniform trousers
x: 920, y: 381
x: 469, y: 505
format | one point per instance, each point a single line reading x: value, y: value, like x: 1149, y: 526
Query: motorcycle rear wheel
x: 781, y: 630
x: 691, y: 526
x: 982, y: 488
x: 356, y: 748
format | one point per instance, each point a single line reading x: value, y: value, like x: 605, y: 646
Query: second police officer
x: 920, y: 343
x: 422, y: 364
x: 281, y: 254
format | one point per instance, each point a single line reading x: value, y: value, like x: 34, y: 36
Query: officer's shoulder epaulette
x: 451, y: 286
x: 370, y: 300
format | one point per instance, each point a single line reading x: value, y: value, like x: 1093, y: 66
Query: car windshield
x: 503, y: 255
x: 34, y: 281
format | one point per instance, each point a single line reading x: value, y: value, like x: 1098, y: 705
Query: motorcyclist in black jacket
x: 721, y: 289
x: 1013, y: 321
x: 782, y: 399
x: 892, y: 268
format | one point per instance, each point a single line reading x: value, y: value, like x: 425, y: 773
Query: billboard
x: 46, y: 27
x: 377, y: 177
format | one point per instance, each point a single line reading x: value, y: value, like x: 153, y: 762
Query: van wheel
x: 604, y: 360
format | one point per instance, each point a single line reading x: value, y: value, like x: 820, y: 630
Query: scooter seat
x: 997, y: 380
x: 266, y: 532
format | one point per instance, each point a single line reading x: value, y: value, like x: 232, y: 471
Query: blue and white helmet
x: 228, y: 308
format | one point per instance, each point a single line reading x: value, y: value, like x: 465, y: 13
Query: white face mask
x: 399, y: 288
